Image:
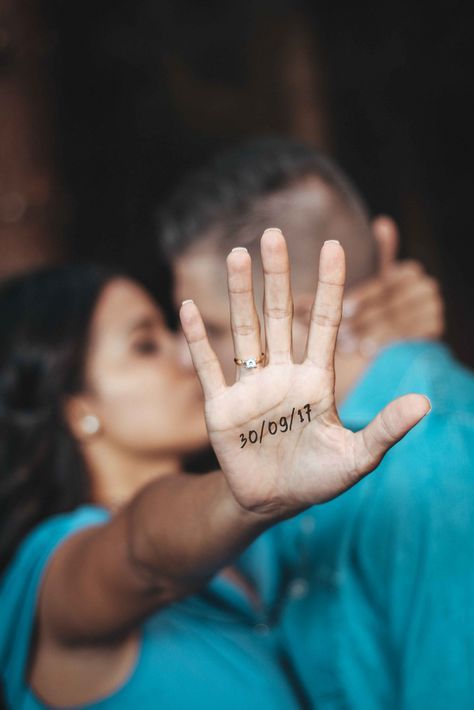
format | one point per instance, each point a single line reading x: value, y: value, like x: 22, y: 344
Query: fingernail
x: 332, y: 241
x: 239, y: 249
x: 272, y: 229
x: 188, y: 300
x: 429, y: 402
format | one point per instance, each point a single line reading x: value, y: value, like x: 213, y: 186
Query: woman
x: 99, y: 528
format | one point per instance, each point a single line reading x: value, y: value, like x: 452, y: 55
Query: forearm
x: 200, y: 529
x: 172, y: 537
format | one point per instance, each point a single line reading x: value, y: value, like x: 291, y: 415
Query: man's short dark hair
x: 226, y: 190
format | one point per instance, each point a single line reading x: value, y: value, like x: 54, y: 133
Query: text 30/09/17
x: 283, y: 425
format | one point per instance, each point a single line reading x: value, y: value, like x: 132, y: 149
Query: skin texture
x: 104, y: 580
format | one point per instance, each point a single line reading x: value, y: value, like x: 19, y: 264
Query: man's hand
x: 400, y: 302
x: 276, y: 431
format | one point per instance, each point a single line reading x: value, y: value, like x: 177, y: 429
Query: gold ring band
x: 250, y: 362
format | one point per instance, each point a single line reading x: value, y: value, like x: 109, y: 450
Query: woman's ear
x: 386, y: 235
x: 81, y: 418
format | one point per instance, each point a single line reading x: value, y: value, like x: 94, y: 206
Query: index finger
x: 204, y: 358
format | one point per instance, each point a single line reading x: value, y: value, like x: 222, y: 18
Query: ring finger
x: 243, y: 314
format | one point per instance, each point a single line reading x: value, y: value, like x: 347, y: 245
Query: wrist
x: 256, y: 517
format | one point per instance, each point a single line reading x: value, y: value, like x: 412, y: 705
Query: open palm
x: 276, y: 431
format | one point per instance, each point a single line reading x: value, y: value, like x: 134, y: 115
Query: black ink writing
x: 284, y: 424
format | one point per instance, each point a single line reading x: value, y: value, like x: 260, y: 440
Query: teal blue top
x: 367, y: 600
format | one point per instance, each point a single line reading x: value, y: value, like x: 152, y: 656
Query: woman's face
x: 140, y: 378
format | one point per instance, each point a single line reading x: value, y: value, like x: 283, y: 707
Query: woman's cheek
x: 141, y: 406
x: 122, y: 404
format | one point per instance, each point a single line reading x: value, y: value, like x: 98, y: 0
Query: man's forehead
x: 309, y: 192
x: 200, y: 273
x: 307, y: 211
x: 201, y: 266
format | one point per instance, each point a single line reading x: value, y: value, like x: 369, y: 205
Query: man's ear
x: 80, y: 417
x: 386, y: 235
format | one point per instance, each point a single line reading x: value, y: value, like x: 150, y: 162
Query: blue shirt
x: 389, y: 620
x: 210, y: 650
x: 366, y: 600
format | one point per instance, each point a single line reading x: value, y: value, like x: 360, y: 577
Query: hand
x: 310, y: 458
x: 399, y: 303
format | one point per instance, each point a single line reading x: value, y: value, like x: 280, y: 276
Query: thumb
x: 386, y: 235
x: 389, y: 426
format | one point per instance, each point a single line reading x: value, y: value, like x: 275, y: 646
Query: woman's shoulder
x: 50, y: 531
x: 19, y: 589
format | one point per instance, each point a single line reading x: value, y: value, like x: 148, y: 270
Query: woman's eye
x: 146, y: 347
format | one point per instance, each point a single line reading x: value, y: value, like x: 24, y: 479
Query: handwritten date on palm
x: 283, y: 425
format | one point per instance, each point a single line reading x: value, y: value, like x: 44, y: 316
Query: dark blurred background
x: 103, y: 106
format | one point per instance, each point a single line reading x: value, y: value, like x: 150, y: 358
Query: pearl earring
x: 90, y: 424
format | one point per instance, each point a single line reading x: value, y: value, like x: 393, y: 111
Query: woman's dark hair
x: 44, y: 327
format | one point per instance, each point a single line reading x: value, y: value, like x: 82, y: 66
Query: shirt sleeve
x: 19, y: 590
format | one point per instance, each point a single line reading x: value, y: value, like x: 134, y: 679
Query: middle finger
x: 278, y: 302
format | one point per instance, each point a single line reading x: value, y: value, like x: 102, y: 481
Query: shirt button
x: 299, y: 588
x: 308, y: 524
x: 261, y: 629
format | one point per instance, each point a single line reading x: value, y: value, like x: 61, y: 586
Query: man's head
x: 271, y: 182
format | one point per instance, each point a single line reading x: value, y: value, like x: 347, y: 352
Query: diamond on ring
x: 250, y: 362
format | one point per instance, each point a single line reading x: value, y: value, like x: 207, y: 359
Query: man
x: 384, y: 574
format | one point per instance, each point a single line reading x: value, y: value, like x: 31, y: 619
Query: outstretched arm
x: 165, y: 544
x: 104, y: 580
x: 278, y: 438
